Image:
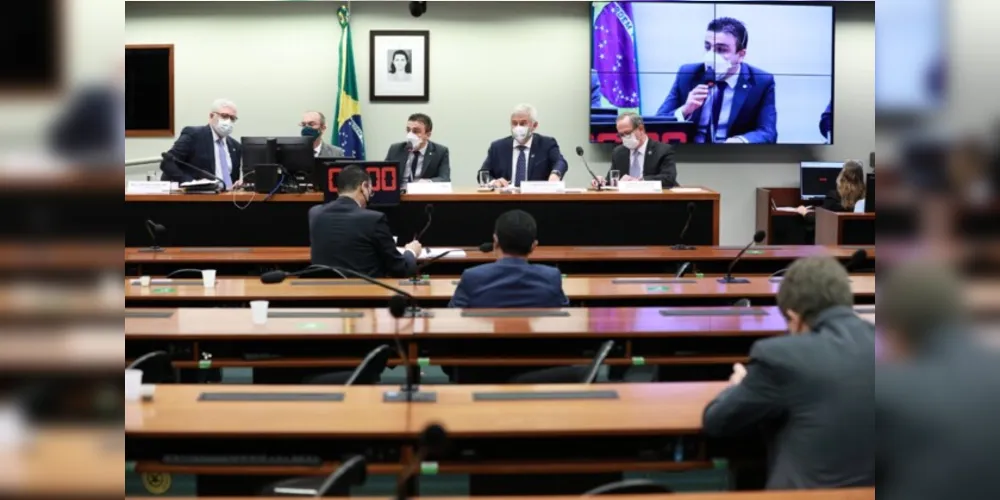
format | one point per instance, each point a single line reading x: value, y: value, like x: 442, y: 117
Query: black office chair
x: 369, y: 372
x: 743, y: 303
x: 629, y: 487
x: 157, y: 368
x: 354, y: 472
x: 568, y: 374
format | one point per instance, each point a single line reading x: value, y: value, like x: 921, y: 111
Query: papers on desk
x: 430, y: 253
x: 147, y: 187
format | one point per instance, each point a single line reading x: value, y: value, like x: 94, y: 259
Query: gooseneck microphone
x: 728, y: 279
x: 597, y: 182
x: 433, y: 441
x: 153, y: 229
x: 209, y: 175
x: 429, y: 211
x: 687, y: 225
x: 409, y: 392
x: 353, y: 472
x: 417, y: 278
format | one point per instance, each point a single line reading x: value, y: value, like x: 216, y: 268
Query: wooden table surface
x: 300, y: 255
x: 851, y: 494
x: 462, y: 194
x: 234, y: 324
x: 239, y: 289
x: 65, y: 463
x: 642, y: 409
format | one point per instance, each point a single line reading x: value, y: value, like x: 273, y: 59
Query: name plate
x: 640, y: 187
x: 147, y: 187
x: 542, y: 187
x: 429, y: 188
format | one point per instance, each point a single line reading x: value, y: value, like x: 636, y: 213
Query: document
x: 430, y: 253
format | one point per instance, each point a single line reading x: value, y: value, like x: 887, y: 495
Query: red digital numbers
x: 383, y: 179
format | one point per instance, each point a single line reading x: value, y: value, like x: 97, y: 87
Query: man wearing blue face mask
x: 314, y: 125
x: 209, y: 148
x: 729, y: 100
x: 420, y: 160
x: 524, y: 155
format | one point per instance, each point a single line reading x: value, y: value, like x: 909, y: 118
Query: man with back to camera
x: 526, y: 157
x: 730, y: 101
x: 344, y: 233
x: 640, y: 158
x: 511, y: 281
x: 937, y: 397
x: 209, y: 148
x: 812, y: 390
x: 420, y: 160
x: 314, y: 125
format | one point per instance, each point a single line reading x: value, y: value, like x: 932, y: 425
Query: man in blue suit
x: 209, y: 148
x: 511, y: 282
x: 526, y: 156
x: 729, y: 100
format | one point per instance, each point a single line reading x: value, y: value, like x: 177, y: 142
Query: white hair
x: 219, y: 104
x: 526, y: 109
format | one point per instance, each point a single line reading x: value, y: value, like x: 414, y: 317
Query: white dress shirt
x: 527, y: 158
x: 704, y: 133
x: 317, y: 149
x: 215, y: 151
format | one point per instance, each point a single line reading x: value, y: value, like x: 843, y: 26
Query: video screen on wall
x: 714, y: 73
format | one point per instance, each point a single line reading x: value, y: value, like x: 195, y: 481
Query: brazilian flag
x: 350, y: 136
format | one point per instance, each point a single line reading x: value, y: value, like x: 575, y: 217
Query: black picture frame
x: 381, y: 47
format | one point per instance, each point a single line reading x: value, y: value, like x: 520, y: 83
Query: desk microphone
x: 433, y: 441
x: 429, y: 210
x: 168, y: 156
x: 409, y: 392
x: 486, y: 247
x: 857, y: 260
x: 417, y: 278
x: 680, y: 245
x: 354, y: 472
x: 154, y: 229
x: 728, y: 279
x: 579, y: 152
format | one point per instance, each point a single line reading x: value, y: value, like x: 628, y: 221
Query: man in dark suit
x: 811, y: 390
x: 640, y: 158
x: 526, y: 156
x: 344, y: 233
x: 729, y: 100
x: 420, y: 159
x: 209, y: 148
x: 937, y: 398
x: 511, y: 281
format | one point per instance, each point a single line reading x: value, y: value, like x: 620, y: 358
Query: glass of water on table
x: 484, y: 179
x: 613, y: 177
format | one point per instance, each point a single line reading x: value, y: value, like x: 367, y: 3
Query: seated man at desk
x: 209, y: 148
x: 314, y: 125
x: 511, y: 281
x: 525, y: 156
x: 811, y: 391
x: 640, y: 158
x: 420, y: 160
x: 344, y: 233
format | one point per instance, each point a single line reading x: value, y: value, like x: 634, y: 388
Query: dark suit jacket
x: 510, y: 283
x: 659, y: 164
x: 544, y: 158
x: 826, y: 121
x: 937, y: 424
x: 437, y: 163
x: 90, y: 128
x: 342, y: 234
x: 196, y: 145
x: 814, y: 393
x: 753, y: 114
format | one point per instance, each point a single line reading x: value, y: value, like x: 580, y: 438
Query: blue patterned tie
x: 227, y: 177
x: 521, y: 170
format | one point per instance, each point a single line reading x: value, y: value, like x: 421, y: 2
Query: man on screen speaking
x: 731, y: 101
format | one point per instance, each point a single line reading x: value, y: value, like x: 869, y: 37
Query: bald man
x: 314, y: 125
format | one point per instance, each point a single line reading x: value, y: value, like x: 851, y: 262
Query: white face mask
x: 717, y: 64
x: 630, y: 142
x: 224, y: 127
x: 413, y: 140
x: 520, y: 133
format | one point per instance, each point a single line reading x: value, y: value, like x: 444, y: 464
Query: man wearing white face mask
x: 729, y: 100
x: 525, y: 156
x: 420, y: 160
x: 640, y: 158
x: 210, y: 148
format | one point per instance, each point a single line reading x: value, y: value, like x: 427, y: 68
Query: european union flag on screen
x: 614, y: 55
x: 350, y: 136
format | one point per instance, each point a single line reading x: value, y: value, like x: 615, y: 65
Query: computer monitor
x: 818, y: 178
x: 295, y: 154
x: 870, y: 194
x: 384, y: 175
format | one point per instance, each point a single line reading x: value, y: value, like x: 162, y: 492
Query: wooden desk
x: 836, y: 228
x: 207, y: 220
x: 783, y: 228
x: 65, y: 463
x: 604, y: 260
x: 853, y: 494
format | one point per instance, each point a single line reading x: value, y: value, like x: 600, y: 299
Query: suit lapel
x: 508, y: 157
x: 743, y: 87
x: 425, y: 173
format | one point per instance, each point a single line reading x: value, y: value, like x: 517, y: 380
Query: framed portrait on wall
x: 399, y: 65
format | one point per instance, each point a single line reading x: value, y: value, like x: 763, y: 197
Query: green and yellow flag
x: 350, y: 136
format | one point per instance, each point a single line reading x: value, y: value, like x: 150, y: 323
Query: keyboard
x: 247, y: 460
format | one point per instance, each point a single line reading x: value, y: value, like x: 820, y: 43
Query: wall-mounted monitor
x: 817, y: 178
x: 714, y: 72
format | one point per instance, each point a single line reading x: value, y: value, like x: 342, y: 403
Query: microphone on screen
x: 687, y: 225
x: 597, y: 182
x: 728, y: 279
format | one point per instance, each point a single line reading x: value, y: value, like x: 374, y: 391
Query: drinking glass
x: 484, y: 179
x: 613, y: 177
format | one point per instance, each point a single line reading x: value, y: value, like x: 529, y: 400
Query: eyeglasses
x: 227, y: 116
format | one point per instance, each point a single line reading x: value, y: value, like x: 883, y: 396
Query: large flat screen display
x: 714, y: 73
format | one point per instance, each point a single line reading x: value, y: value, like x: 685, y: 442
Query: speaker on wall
x: 418, y: 9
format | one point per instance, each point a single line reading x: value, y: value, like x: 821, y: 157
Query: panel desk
x: 604, y: 260
x: 463, y: 218
x: 835, y: 228
x: 590, y: 292
x: 852, y: 494
x: 340, y: 338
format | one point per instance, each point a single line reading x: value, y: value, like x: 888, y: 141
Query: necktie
x: 411, y: 172
x: 520, y: 171
x: 635, y: 171
x: 720, y: 93
x: 227, y: 177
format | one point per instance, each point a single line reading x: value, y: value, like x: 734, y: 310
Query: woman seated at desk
x: 850, y: 191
